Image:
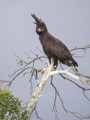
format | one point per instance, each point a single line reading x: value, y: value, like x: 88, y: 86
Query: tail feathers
x: 74, y: 63
x: 71, y: 62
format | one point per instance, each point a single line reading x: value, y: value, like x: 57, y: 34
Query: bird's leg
x: 52, y: 64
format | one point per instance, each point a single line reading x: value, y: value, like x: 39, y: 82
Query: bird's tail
x: 70, y: 62
x: 75, y: 65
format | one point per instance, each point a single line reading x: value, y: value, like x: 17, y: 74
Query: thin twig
x: 78, y: 115
x: 81, y: 48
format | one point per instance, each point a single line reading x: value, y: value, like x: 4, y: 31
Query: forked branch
x: 49, y: 73
x: 43, y: 81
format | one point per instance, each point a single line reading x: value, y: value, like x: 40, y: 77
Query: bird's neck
x: 42, y: 36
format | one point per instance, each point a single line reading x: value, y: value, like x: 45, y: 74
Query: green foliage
x: 10, y: 107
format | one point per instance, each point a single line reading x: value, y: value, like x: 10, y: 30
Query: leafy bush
x: 10, y: 107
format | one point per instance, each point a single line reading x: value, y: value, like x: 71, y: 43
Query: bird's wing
x: 56, y: 47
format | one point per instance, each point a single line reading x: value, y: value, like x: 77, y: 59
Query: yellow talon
x: 43, y: 71
x: 53, y: 69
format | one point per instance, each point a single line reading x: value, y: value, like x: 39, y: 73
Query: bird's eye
x: 42, y: 29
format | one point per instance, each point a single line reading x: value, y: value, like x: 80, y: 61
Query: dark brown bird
x: 52, y: 47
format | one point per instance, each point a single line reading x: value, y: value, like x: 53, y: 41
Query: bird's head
x: 40, y: 25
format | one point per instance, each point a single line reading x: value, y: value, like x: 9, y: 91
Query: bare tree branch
x: 78, y: 115
x: 81, y: 48
x: 42, y: 83
x: 29, y: 67
x: 71, y: 75
x: 36, y: 93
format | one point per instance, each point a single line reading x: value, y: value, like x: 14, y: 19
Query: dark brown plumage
x: 52, y: 47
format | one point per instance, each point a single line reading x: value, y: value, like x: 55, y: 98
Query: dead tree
x: 32, y: 103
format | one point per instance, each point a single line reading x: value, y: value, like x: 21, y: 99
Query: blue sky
x: 67, y: 20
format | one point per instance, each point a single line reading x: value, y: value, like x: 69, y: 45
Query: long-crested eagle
x: 52, y: 47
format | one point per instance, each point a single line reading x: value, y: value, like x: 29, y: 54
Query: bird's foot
x: 53, y: 69
x: 44, y: 70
